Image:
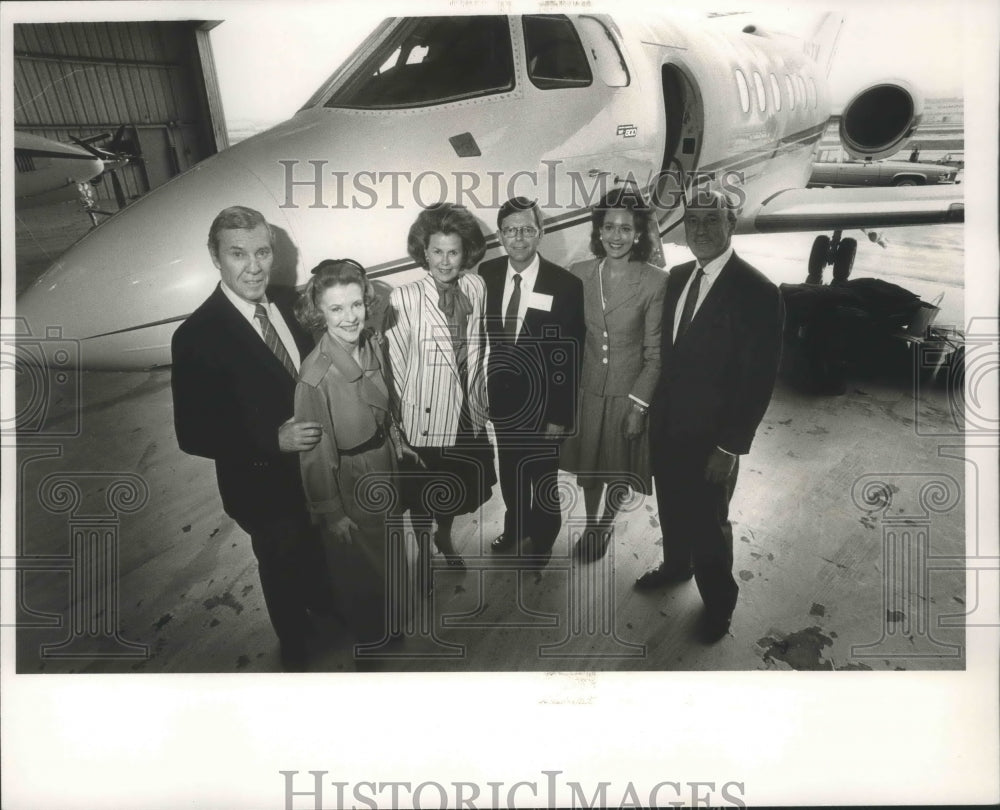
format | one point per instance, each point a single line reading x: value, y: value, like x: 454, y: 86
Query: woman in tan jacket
x: 623, y: 304
x: 350, y: 476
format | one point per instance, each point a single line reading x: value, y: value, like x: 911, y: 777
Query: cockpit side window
x: 554, y: 54
x: 432, y: 60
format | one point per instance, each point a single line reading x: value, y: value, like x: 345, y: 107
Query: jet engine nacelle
x: 877, y: 121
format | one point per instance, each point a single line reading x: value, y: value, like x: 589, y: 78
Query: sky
x: 920, y: 41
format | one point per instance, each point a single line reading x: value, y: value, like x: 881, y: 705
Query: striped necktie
x: 689, y: 303
x: 272, y: 340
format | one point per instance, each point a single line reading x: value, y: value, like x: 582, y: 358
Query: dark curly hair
x: 446, y: 218
x: 329, y: 273
x: 623, y: 199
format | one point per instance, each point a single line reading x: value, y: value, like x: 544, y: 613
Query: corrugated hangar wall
x: 76, y: 80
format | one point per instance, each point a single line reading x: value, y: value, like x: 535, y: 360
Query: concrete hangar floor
x: 849, y: 527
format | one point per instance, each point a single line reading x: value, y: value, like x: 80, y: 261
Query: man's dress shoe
x: 715, y: 626
x: 535, y: 556
x: 664, y: 574
x: 504, y: 544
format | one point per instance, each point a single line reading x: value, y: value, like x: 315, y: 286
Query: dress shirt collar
x: 245, y: 308
x: 528, y: 274
x: 711, y: 269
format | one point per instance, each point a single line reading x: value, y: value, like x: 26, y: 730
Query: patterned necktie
x: 689, y: 303
x: 272, y: 340
x: 510, y: 318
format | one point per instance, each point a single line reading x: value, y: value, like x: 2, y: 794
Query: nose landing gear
x: 836, y: 251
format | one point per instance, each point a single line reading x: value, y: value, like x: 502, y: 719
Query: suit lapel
x: 247, y: 338
x: 436, y: 327
x: 493, y: 275
x: 371, y: 389
x: 675, y: 286
x: 716, y: 302
x: 624, y: 292
x: 592, y: 289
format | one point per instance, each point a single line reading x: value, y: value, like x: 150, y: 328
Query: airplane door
x: 598, y: 127
x: 683, y: 122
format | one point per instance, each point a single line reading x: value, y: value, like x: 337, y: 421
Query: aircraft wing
x: 824, y: 209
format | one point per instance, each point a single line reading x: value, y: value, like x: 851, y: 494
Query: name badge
x: 540, y: 301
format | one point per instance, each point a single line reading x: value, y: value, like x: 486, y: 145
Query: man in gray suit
x: 720, y: 346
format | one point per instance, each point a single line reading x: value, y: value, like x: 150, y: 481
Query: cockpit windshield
x: 432, y: 60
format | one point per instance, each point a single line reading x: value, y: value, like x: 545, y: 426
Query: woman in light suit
x: 434, y: 334
x: 623, y: 305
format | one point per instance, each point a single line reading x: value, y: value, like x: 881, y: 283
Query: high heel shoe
x: 594, y: 542
x: 583, y: 549
x: 444, y: 544
x: 605, y: 534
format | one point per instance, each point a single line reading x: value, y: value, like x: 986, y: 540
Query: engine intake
x: 879, y: 119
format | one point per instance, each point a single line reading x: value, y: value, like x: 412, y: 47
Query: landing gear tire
x: 817, y: 259
x: 843, y: 260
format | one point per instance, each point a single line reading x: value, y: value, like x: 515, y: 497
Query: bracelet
x: 640, y: 408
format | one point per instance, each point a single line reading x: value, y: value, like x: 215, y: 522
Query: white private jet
x: 475, y: 109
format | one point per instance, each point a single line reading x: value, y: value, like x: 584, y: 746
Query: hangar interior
x: 157, y: 79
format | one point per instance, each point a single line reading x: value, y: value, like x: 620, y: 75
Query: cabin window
x: 743, y: 89
x: 791, y: 92
x: 812, y: 93
x: 800, y: 86
x: 555, y: 57
x: 432, y: 60
x: 603, y: 51
x: 775, y: 92
x: 758, y: 84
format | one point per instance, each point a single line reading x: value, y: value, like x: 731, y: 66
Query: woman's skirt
x: 599, y: 453
x: 457, y: 479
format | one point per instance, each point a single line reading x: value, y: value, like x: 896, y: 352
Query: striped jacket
x: 424, y: 373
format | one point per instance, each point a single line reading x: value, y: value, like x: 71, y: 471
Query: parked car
x: 833, y: 167
x: 956, y: 159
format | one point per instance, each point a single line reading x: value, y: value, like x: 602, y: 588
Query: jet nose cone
x: 123, y: 289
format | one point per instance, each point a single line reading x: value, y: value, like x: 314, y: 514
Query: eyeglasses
x: 527, y: 231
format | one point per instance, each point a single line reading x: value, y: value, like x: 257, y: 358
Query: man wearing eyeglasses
x: 235, y: 363
x: 534, y: 322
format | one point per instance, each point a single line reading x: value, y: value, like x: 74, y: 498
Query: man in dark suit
x: 720, y: 346
x: 235, y: 361
x: 534, y: 322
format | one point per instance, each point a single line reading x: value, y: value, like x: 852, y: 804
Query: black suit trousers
x: 694, y: 514
x: 292, y: 574
x: 529, y: 470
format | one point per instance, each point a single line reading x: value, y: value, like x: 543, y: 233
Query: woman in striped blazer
x: 436, y: 347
